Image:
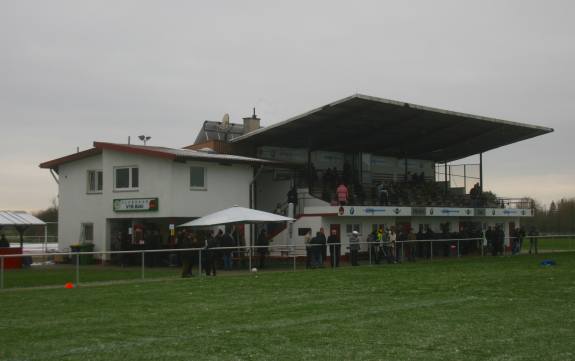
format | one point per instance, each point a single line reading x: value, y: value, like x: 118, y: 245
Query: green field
x: 501, y: 308
x: 551, y: 244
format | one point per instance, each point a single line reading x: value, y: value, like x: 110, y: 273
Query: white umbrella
x: 236, y: 215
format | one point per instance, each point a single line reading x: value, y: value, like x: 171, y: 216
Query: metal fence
x: 57, y: 268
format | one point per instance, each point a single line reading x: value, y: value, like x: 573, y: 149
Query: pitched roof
x: 159, y: 152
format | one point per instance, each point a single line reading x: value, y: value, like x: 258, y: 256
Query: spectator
x: 316, y: 250
x: 499, y: 240
x: 411, y: 238
x: 392, y: 241
x: 292, y: 195
x: 228, y: 242
x: 308, y: 249
x: 187, y: 256
x: 334, y: 248
x: 4, y: 242
x: 354, y: 247
x: 263, y: 243
x: 382, y: 194
x: 211, y: 254
x: 322, y: 241
x: 372, y: 243
x: 342, y: 194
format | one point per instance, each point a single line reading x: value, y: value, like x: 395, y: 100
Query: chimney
x: 252, y: 123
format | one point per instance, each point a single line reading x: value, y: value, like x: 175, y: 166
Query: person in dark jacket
x: 187, y: 256
x: 211, y: 254
x: 322, y: 241
x: 372, y: 243
x: 490, y: 237
x: 228, y: 242
x: 263, y: 243
x: 316, y: 249
x: 334, y: 248
x: 499, y: 240
x: 4, y: 242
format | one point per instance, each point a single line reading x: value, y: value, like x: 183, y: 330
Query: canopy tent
x: 236, y: 215
x: 21, y: 221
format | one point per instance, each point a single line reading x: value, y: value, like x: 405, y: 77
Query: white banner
x: 508, y: 212
x: 449, y: 212
x: 374, y: 211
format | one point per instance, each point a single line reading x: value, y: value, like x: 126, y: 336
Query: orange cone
x: 69, y: 285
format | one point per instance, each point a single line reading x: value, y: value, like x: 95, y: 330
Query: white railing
x: 290, y: 250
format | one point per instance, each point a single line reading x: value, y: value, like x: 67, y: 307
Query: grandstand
x: 397, y: 156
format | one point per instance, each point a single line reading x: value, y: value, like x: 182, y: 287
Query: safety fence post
x: 250, y: 258
x: 200, y: 263
x: 431, y: 250
x: 369, y: 250
x: 143, y: 265
x: 1, y: 273
x: 458, y: 253
x: 294, y: 259
x: 77, y: 269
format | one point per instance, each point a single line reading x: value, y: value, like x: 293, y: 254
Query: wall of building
x: 270, y: 192
x: 227, y: 185
x: 76, y: 205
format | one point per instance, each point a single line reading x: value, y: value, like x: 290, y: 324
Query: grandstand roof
x: 362, y: 123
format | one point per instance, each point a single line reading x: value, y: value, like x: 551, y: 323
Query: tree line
x: 558, y: 217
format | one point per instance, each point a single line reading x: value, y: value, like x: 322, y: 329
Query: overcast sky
x: 72, y: 72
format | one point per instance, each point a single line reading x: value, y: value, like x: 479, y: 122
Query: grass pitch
x: 503, y: 308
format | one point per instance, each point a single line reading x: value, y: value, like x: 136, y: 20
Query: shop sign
x: 136, y: 205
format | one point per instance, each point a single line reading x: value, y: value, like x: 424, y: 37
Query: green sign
x: 136, y: 205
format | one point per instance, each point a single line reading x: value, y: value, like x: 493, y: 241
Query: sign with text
x: 136, y: 205
x: 362, y: 211
x: 449, y: 212
x: 508, y: 212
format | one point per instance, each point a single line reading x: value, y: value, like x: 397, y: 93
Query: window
x: 352, y: 227
x: 87, y: 232
x: 95, y: 179
x: 198, y: 178
x: 126, y: 178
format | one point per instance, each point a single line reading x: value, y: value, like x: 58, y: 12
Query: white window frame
x: 205, y: 187
x: 98, y: 185
x: 130, y: 180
